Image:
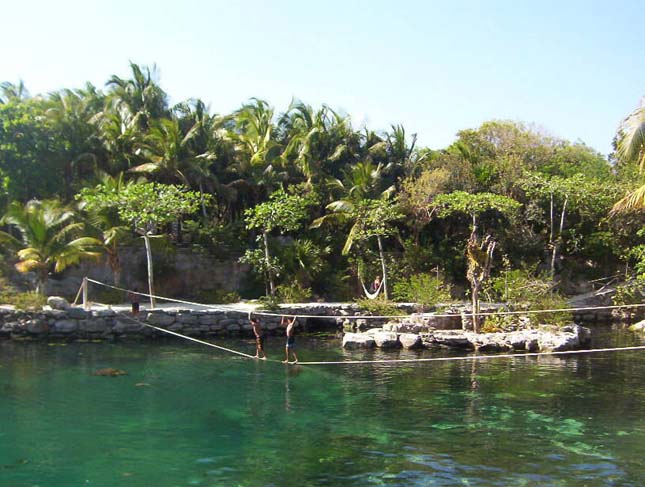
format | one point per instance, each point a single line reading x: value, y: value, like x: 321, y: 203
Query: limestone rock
x: 357, y: 340
x: 58, y: 302
x: 121, y: 327
x: 187, y: 318
x: 557, y: 342
x: 94, y: 325
x: 37, y: 326
x: 77, y: 313
x: 160, y: 319
x: 65, y: 326
x: 453, y: 339
x: 410, y: 340
x: 386, y: 339
x: 104, y: 313
x: 208, y: 319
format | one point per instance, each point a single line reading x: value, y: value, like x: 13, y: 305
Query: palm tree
x: 71, y: 112
x: 105, y: 224
x: 11, y: 91
x: 48, y: 238
x: 141, y: 95
x: 631, y: 148
x: 258, y: 161
x: 167, y: 152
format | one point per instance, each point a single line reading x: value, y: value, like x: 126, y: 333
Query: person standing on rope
x: 259, y: 337
x: 291, y: 339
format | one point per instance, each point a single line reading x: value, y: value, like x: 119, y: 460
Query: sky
x: 571, y: 68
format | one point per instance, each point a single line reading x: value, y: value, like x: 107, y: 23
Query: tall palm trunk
x: 383, y: 267
x: 146, y: 239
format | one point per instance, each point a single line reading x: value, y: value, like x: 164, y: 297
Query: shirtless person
x: 291, y: 339
x: 259, y: 337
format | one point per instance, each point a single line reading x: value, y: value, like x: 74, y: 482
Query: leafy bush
x: 27, y: 300
x: 631, y: 292
x: 424, y: 289
x: 293, y: 293
x: 269, y: 303
x: 378, y: 307
x: 526, y: 291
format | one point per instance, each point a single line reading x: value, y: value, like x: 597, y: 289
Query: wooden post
x: 86, y: 303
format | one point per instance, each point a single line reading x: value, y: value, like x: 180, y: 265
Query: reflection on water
x: 185, y: 415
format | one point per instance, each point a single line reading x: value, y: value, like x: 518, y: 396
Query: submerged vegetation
x: 312, y: 203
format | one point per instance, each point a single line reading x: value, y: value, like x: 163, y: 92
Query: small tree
x: 568, y: 196
x: 283, y: 212
x: 146, y: 207
x: 479, y: 250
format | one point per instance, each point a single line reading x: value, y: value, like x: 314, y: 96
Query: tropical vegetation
x: 312, y: 203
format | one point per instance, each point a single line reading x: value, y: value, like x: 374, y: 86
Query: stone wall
x: 186, y: 272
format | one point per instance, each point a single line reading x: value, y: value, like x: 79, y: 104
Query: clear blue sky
x: 573, y: 68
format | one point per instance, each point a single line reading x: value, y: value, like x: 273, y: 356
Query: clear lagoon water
x: 188, y: 415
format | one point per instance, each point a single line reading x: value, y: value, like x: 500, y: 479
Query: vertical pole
x: 86, y: 303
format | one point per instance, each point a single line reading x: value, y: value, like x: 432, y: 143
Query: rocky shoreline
x: 544, y: 339
x: 59, y: 320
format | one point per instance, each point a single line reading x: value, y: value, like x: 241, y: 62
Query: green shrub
x: 27, y: 300
x: 630, y: 293
x: 424, y: 289
x: 526, y: 291
x: 293, y: 293
x: 269, y: 303
x: 378, y: 307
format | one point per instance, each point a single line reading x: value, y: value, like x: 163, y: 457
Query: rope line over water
x: 164, y: 330
x: 384, y: 361
x: 366, y: 362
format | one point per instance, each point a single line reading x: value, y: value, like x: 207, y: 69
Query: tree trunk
x: 115, y: 264
x: 201, y: 200
x: 558, y: 241
x: 146, y: 239
x: 475, y: 302
x: 383, y: 267
x: 267, y: 258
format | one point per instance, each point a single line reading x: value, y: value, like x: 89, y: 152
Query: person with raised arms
x: 291, y: 339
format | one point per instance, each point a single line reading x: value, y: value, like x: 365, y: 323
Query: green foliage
x: 524, y: 290
x: 378, y: 307
x: 424, y: 289
x: 258, y: 262
x: 283, y: 212
x: 50, y: 239
x: 293, y: 292
x: 30, y: 300
x: 632, y: 292
x: 269, y: 303
x: 474, y: 204
x: 147, y: 205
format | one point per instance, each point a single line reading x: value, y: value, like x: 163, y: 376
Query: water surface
x: 187, y: 415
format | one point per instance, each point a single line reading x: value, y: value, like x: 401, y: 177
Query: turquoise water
x: 187, y: 415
